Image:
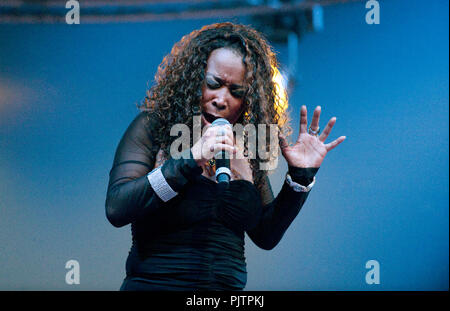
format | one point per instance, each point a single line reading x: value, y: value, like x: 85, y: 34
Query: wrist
x: 298, y: 187
x: 178, y: 172
x: 196, y: 154
x: 302, y: 175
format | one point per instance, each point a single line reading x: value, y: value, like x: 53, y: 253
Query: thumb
x: 282, y: 141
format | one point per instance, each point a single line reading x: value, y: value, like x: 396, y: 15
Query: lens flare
x: 281, y: 100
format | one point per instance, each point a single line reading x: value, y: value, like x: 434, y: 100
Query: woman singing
x: 187, y: 233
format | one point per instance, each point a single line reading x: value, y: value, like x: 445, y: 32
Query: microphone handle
x: 223, y: 168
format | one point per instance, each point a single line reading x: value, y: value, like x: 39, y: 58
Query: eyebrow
x: 234, y: 86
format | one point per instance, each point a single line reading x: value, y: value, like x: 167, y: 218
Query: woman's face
x: 223, y: 88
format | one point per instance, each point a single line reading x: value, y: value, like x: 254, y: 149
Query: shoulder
x: 141, y: 133
x: 145, y: 119
x: 143, y: 125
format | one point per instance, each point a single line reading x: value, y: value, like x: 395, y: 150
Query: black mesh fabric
x: 196, y: 239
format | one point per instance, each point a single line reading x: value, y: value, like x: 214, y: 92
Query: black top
x: 196, y: 239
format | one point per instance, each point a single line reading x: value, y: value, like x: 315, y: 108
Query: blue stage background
x: 68, y: 92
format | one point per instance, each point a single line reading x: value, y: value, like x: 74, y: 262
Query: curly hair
x: 177, y: 91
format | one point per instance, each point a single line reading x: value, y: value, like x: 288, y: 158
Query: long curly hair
x: 177, y: 92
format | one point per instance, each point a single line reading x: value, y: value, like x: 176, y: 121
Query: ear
x: 196, y: 111
x: 243, y: 110
x: 241, y: 118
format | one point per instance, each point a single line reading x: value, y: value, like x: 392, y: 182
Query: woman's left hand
x: 309, y: 150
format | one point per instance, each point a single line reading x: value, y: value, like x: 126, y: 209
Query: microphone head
x: 220, y: 121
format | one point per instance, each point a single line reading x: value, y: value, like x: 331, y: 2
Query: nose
x: 219, y: 101
x: 220, y: 105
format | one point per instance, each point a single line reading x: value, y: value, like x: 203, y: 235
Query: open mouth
x: 209, y: 117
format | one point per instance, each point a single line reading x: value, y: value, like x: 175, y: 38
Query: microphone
x: 223, y: 173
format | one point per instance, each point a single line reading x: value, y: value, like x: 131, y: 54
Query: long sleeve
x: 130, y: 195
x: 278, y: 213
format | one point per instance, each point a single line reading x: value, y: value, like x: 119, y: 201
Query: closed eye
x: 212, y: 84
x: 238, y: 92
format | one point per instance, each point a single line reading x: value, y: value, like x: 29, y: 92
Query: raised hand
x: 310, y: 149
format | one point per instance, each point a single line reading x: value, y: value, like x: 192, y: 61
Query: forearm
x: 132, y: 199
x: 127, y: 201
x: 279, y: 214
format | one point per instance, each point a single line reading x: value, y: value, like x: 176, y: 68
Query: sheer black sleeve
x: 278, y: 213
x: 129, y: 195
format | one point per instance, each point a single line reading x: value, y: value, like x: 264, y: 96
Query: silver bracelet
x: 160, y: 185
x: 296, y: 186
